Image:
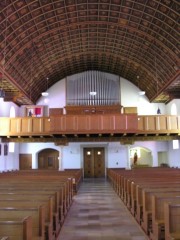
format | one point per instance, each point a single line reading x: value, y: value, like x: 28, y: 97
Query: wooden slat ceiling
x: 57, y: 38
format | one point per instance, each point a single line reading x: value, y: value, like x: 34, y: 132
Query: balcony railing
x: 90, y: 124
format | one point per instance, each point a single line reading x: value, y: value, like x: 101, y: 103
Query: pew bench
x: 37, y: 214
x: 147, y: 207
x: 137, y: 189
x: 154, y: 188
x: 31, y: 199
x: 16, y: 229
x: 158, y: 225
x: 26, y: 202
x: 172, y: 220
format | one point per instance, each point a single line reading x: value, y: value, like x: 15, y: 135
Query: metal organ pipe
x: 105, y: 85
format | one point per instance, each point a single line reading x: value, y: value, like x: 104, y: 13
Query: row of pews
x: 152, y: 195
x: 34, y: 203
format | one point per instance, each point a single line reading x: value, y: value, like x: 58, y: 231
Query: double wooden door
x: 94, y: 163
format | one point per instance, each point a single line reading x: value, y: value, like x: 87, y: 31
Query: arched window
x: 12, y: 112
x: 173, y: 109
x: 11, y: 144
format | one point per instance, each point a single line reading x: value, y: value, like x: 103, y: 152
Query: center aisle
x: 97, y: 213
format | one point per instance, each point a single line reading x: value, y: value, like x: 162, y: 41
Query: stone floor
x: 97, y: 213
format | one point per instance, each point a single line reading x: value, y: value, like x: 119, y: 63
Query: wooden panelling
x: 130, y: 110
x: 96, y: 109
x: 55, y: 111
x: 83, y: 123
x: 120, y: 123
x: 172, y: 122
x: 141, y: 123
x: 4, y: 125
x: 108, y: 122
x: 89, y: 124
x: 150, y: 123
x: 161, y: 122
x: 131, y: 122
x: 26, y: 125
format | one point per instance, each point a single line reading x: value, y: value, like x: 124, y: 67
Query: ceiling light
x: 141, y: 93
x: 92, y: 93
x: 45, y: 94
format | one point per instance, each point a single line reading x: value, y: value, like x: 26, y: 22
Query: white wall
x: 11, y: 161
x: 131, y: 98
x: 57, y: 96
x: 173, y: 155
x: 5, y: 108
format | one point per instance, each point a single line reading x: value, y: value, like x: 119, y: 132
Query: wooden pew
x: 26, y: 202
x: 63, y: 185
x: 63, y: 182
x: 147, y: 204
x: 172, y: 220
x: 37, y: 214
x: 158, y: 224
x: 157, y: 187
x: 34, y: 198
x: 31, y: 184
x: 147, y: 181
x: 38, y: 188
x: 16, y: 229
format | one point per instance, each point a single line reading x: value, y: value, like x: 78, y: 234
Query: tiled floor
x: 97, y: 213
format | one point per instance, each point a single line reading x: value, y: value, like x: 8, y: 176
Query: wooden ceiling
x: 42, y: 39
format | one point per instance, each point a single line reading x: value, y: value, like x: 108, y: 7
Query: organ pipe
x: 106, y: 86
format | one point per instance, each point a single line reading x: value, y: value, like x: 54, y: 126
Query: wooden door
x: 25, y: 161
x: 94, y: 163
x: 48, y: 159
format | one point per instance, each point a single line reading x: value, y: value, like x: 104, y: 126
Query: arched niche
x: 48, y: 159
x: 144, y: 157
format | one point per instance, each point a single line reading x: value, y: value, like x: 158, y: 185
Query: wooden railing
x: 89, y: 124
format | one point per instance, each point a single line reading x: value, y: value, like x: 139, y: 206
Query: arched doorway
x: 48, y: 159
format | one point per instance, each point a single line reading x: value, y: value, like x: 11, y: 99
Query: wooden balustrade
x: 24, y: 126
x: 90, y: 124
x: 159, y: 124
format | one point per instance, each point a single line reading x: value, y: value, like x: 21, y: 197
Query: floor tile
x: 97, y: 213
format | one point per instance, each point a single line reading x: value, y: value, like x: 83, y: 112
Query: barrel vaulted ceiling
x: 135, y: 39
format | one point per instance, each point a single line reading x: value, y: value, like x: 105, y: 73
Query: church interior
x: 89, y: 120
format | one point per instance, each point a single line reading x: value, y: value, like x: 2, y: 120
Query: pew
x: 37, y: 214
x: 158, y: 226
x: 136, y: 189
x: 30, y: 202
x: 52, y: 221
x: 27, y: 189
x: 157, y: 187
x: 172, y: 220
x: 16, y: 229
x: 147, y: 205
